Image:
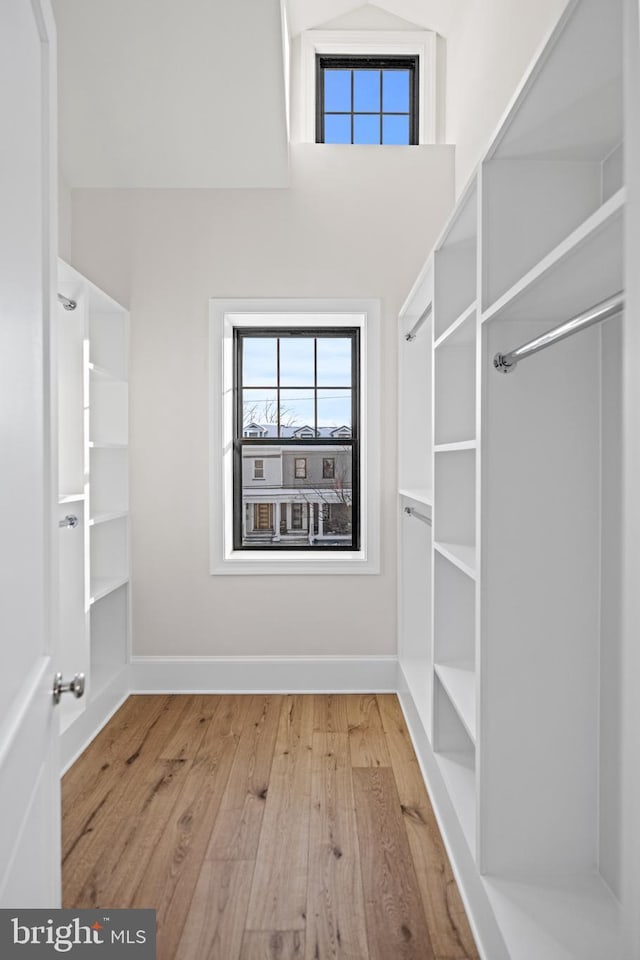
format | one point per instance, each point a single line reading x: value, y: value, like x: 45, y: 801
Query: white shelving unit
x: 415, y: 472
x: 93, y: 485
x: 519, y: 736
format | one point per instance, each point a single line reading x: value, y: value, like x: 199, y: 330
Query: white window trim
x: 420, y: 43
x: 224, y: 317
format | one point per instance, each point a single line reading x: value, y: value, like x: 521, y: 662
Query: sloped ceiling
x: 188, y: 93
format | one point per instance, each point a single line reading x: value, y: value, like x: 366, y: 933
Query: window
x: 295, y: 386
x: 342, y: 421
x: 366, y: 99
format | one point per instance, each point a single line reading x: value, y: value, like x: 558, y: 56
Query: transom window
x: 367, y: 100
x: 294, y: 388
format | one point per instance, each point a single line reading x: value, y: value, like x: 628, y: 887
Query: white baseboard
x: 264, y: 674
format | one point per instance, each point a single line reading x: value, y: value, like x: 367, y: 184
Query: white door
x: 29, y: 776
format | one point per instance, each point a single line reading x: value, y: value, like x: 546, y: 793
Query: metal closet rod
x: 66, y: 303
x: 505, y: 362
x: 412, y: 512
x: 424, y: 316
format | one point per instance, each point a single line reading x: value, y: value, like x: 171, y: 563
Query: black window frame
x: 240, y: 441
x: 353, y: 62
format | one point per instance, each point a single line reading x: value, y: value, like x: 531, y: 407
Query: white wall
x: 488, y: 53
x: 356, y: 222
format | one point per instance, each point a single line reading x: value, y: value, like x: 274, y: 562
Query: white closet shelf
x: 453, y: 447
x: 571, y: 916
x: 459, y: 682
x: 418, y: 495
x: 106, y: 517
x: 462, y: 556
x: 70, y: 498
x: 549, y: 289
x: 462, y: 331
x: 458, y: 772
x: 549, y: 119
x: 103, y: 373
x: 94, y: 445
x: 103, y: 586
x: 463, y: 224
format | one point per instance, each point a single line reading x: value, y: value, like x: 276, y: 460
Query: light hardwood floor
x: 263, y: 828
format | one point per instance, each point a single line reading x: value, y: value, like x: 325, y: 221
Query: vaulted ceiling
x: 159, y: 93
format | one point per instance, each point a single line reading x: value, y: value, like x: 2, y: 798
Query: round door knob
x: 75, y: 686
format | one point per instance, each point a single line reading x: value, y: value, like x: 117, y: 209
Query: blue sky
x: 366, y: 99
x: 296, y: 370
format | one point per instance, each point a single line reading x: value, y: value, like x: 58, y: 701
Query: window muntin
x: 367, y: 100
x: 309, y: 396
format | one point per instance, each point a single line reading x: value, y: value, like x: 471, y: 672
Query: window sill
x: 290, y: 562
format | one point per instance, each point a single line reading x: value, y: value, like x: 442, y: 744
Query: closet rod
x: 505, y: 362
x: 424, y: 316
x: 66, y: 303
x: 412, y: 512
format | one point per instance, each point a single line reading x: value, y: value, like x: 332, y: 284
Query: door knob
x: 75, y: 686
x: 69, y: 521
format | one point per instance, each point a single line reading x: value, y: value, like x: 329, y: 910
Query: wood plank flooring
x: 263, y: 828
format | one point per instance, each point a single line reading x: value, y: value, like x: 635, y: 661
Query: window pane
x: 334, y: 361
x: 296, y: 361
x: 297, y: 411
x: 366, y: 129
x: 259, y: 363
x: 395, y: 91
x: 337, y: 90
x: 259, y: 408
x: 337, y: 129
x: 366, y: 90
x: 334, y: 409
x: 284, y: 510
x: 395, y: 130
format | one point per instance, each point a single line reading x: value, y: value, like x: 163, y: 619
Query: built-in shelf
x: 424, y: 496
x: 462, y: 331
x: 107, y: 446
x: 461, y: 555
x: 93, y: 475
x: 459, y: 682
x: 452, y: 447
x: 540, y: 235
x: 107, y: 517
x: 103, y: 586
x: 582, y: 270
x: 458, y: 772
x: 571, y: 916
x: 103, y: 373
x: 70, y: 498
